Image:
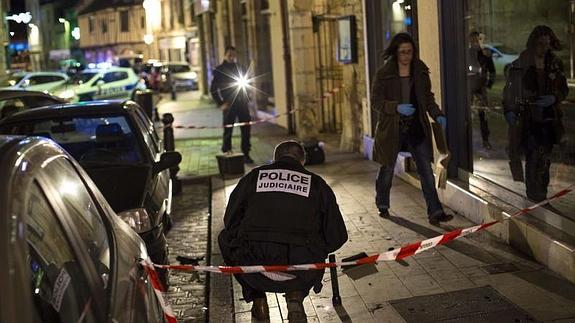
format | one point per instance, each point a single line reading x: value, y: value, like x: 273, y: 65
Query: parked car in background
x: 66, y: 256
x: 183, y: 76
x: 102, y: 83
x: 116, y: 144
x: 12, y: 101
x: 502, y: 57
x: 34, y: 81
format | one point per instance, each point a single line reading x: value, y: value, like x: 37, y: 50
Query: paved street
x: 480, y: 268
x: 189, y: 237
x: 200, y: 146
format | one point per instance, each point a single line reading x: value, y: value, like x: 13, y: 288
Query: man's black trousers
x: 242, y: 113
x: 271, y: 253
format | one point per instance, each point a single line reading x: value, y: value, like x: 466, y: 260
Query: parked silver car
x: 117, y: 145
x: 66, y: 256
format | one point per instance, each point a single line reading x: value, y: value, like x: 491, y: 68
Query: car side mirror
x: 99, y: 82
x: 25, y: 84
x: 168, y: 159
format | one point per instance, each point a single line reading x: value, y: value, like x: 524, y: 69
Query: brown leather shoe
x: 296, y: 312
x: 260, y: 309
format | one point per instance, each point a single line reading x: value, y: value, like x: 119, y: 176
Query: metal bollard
x: 336, y: 299
x: 145, y: 100
x: 170, y: 145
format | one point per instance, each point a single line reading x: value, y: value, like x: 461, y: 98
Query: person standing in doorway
x: 402, y: 97
x: 536, y: 85
x: 229, y: 90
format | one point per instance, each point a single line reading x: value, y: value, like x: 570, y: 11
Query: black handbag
x: 314, y: 152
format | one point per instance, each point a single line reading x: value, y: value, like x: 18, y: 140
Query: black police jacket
x: 285, y: 203
x: 224, y: 87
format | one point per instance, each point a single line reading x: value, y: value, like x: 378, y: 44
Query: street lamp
x: 66, y: 31
x: 148, y: 39
x: 76, y: 33
x: 153, y: 10
x: 25, y: 17
x: 34, y: 35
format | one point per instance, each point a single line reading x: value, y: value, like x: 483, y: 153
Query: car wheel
x: 167, y: 222
x: 163, y: 274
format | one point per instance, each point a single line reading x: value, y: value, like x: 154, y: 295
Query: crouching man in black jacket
x: 281, y: 214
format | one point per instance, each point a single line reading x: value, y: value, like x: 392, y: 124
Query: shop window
x: 104, y: 26
x: 91, y: 24
x: 264, y: 5
x: 124, y: 21
x: 523, y: 133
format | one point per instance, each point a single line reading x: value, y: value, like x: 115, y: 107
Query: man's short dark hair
x: 474, y: 34
x: 230, y: 48
x: 289, y: 148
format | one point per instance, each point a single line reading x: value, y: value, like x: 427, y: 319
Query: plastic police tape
x: 159, y: 290
x: 403, y: 252
x: 393, y: 255
x: 324, y: 96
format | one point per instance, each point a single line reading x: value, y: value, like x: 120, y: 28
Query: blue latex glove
x: 442, y: 121
x: 545, y: 101
x: 511, y: 118
x: 405, y: 109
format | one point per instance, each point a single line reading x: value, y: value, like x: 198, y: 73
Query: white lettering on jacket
x: 60, y: 287
x: 283, y: 180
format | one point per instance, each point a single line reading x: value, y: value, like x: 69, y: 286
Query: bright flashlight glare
x: 242, y: 82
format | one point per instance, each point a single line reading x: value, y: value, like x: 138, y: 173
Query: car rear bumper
x: 186, y: 84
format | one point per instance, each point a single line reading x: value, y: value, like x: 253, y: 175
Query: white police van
x: 102, y: 84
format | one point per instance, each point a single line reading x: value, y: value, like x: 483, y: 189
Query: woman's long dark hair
x: 398, y: 39
x: 540, y: 31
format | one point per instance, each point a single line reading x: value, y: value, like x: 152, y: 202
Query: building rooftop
x: 98, y: 5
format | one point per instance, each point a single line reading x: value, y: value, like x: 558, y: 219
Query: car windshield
x: 505, y: 50
x: 102, y: 140
x: 178, y: 68
x: 81, y: 78
x: 10, y: 80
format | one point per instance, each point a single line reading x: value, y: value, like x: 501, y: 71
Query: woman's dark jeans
x: 422, y: 157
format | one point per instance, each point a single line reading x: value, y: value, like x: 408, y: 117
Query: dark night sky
x: 18, y: 6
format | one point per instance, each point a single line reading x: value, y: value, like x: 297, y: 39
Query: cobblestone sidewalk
x: 189, y: 237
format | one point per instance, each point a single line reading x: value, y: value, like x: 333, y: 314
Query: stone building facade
x: 291, y: 49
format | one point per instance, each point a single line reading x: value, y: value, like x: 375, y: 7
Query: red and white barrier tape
x: 324, y: 96
x: 403, y: 252
x: 393, y: 255
x: 159, y: 290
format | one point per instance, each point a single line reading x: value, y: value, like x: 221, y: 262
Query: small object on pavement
x: 356, y: 272
x: 194, y: 261
x: 231, y: 164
